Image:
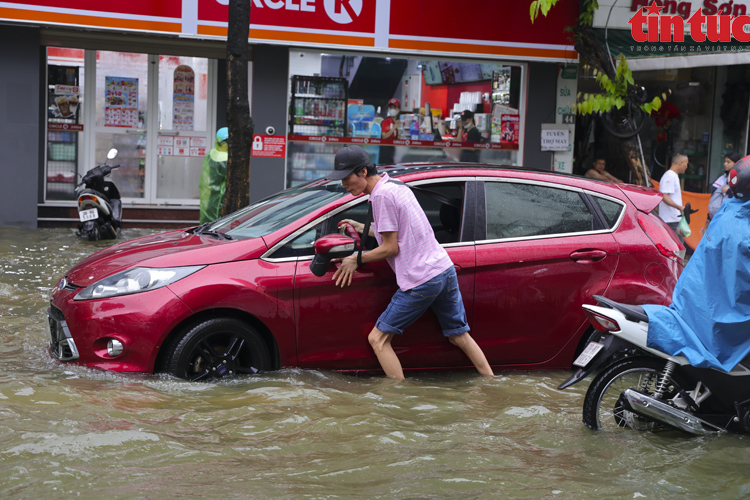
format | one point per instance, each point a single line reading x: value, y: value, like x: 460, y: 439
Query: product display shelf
x: 318, y: 106
x: 62, y: 164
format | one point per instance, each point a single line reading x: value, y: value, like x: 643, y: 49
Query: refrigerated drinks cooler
x: 318, y: 106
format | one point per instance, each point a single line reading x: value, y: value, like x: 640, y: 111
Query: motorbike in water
x: 642, y: 388
x: 99, y: 203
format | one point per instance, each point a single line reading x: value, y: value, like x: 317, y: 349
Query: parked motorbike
x: 644, y: 389
x: 99, y: 204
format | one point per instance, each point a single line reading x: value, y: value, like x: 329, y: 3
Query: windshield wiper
x: 221, y: 236
x: 203, y: 230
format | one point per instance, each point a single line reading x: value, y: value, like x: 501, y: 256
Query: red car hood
x: 645, y: 199
x: 172, y: 249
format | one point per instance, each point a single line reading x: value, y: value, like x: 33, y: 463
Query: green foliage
x: 615, y: 92
x: 542, y: 6
x: 587, y: 13
x: 586, y: 17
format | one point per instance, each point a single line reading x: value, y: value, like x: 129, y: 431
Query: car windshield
x: 275, y: 212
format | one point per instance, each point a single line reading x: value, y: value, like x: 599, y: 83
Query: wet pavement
x: 71, y: 432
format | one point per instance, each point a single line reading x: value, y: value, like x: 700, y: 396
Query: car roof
x: 414, y: 169
x: 644, y: 198
x: 411, y: 168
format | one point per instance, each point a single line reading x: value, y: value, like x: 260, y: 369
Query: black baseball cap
x: 466, y: 114
x: 348, y: 159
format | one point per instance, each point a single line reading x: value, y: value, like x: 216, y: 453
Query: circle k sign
x: 343, y: 11
x: 339, y: 11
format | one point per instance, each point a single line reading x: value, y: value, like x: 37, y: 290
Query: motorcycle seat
x: 633, y: 313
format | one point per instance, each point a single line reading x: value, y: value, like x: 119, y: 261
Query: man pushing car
x: 424, y: 272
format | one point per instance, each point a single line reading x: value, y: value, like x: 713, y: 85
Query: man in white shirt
x: 671, y: 207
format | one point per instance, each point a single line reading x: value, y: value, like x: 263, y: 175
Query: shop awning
x: 673, y: 55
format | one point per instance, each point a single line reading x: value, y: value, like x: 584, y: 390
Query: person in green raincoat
x: 213, y: 180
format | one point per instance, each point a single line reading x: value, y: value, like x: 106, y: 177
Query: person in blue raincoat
x: 708, y: 321
x: 213, y: 179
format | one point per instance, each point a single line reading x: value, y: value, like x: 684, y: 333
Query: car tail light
x: 662, y: 236
x: 601, y: 322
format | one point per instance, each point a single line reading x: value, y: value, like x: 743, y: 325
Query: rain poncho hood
x: 213, y: 181
x: 708, y: 321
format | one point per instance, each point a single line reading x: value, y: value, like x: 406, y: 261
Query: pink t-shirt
x: 420, y: 257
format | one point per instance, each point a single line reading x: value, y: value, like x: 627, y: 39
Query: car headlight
x: 136, y: 280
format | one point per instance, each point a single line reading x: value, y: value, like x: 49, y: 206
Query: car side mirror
x: 330, y: 246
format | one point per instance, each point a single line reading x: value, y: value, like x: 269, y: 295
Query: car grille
x: 61, y: 343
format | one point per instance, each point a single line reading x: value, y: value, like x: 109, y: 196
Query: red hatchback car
x: 237, y: 296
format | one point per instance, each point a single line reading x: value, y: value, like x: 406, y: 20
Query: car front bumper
x: 79, y: 331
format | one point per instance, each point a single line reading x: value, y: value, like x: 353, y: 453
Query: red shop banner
x: 490, y: 29
x: 402, y: 142
x: 165, y: 16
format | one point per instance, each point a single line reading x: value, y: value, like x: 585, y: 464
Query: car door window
x: 516, y: 210
x: 302, y: 245
x: 610, y: 209
x: 444, y: 219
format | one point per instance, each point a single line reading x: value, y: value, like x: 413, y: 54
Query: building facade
x: 703, y: 76
x: 149, y: 78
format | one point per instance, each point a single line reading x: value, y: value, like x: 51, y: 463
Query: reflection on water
x: 70, y: 432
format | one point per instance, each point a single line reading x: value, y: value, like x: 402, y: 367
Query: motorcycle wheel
x: 625, y: 122
x: 603, y: 408
x: 218, y: 348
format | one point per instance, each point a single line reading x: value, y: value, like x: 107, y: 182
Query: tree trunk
x: 239, y: 122
x: 628, y: 149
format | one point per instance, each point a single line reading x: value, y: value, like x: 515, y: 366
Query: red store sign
x: 488, y: 29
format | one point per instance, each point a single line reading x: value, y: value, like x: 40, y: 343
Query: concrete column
x: 21, y: 125
x: 269, y: 108
x: 540, y: 108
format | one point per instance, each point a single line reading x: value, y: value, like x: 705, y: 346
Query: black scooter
x: 99, y: 204
x: 644, y: 389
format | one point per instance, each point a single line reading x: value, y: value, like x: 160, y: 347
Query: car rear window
x: 275, y: 212
x: 610, y: 209
x: 516, y: 210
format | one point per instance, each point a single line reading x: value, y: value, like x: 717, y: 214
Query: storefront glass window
x: 65, y: 75
x: 400, y: 111
x: 181, y: 143
x: 121, y: 116
x: 683, y: 124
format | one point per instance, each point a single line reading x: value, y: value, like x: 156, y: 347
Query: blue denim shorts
x: 441, y: 293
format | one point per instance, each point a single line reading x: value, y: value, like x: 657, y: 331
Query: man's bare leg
x: 469, y: 346
x: 381, y: 344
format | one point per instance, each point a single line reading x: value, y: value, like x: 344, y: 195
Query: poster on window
x: 120, y: 102
x: 509, y: 126
x: 63, y: 112
x: 183, y: 98
x: 64, y: 102
x: 165, y: 145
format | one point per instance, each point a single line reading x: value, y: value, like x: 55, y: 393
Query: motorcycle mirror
x: 112, y: 153
x: 331, y: 246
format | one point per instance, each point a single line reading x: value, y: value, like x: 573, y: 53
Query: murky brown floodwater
x: 69, y: 432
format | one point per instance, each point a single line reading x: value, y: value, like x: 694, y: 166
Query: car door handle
x: 588, y: 256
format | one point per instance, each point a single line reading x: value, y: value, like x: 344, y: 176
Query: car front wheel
x: 218, y: 348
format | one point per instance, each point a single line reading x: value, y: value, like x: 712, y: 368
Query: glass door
x: 121, y: 122
x: 162, y: 131
x: 183, y: 137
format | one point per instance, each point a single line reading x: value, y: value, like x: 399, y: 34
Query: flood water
x: 70, y: 432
